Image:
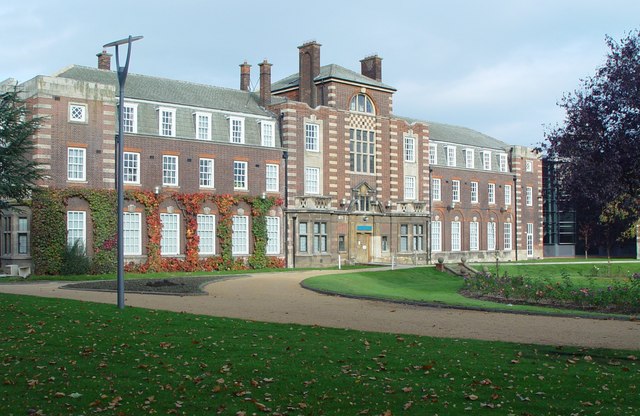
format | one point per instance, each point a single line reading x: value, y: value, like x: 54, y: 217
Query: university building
x: 359, y: 184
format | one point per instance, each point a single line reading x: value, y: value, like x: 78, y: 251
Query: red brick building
x: 366, y: 185
x: 360, y: 184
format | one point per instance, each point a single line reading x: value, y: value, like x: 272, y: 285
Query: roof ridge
x: 195, y: 84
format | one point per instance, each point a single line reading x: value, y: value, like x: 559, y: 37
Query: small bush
x: 622, y: 296
x: 75, y: 260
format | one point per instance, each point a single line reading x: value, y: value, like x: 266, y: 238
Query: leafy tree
x: 18, y: 172
x: 599, y: 143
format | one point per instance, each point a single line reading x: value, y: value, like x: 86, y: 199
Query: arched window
x: 362, y: 104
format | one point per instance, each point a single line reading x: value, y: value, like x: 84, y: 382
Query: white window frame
x: 409, y: 188
x: 133, y: 171
x: 474, y: 236
x: 132, y: 233
x: 491, y: 193
x: 240, y: 175
x: 268, y: 133
x: 456, y: 241
x: 133, y: 127
x: 469, y: 159
x: 312, y: 181
x: 240, y: 235
x: 504, y: 165
x: 273, y: 235
x: 272, y: 177
x: 77, y: 219
x: 199, y: 116
x: 528, y: 166
x: 236, y: 130
x: 207, y: 233
x: 507, y: 232
x: 82, y: 108
x: 474, y: 192
x: 202, y: 174
x: 436, y: 236
x: 455, y: 190
x: 170, y: 176
x: 491, y: 236
x: 486, y: 160
x: 170, y: 237
x: 529, y: 239
x: 436, y: 189
x: 507, y: 195
x: 79, y: 171
x: 433, y: 154
x: 409, y: 149
x: 451, y: 155
x: 529, y: 196
x: 167, y: 128
x: 312, y: 137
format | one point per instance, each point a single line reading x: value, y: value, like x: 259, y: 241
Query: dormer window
x: 362, y: 104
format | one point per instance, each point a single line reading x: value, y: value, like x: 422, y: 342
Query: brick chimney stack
x: 104, y: 60
x: 309, y: 69
x: 245, y: 76
x: 371, y: 66
x: 265, y: 83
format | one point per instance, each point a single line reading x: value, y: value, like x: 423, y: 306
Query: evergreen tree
x: 18, y: 171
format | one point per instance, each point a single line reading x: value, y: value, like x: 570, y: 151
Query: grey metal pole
x: 122, y: 78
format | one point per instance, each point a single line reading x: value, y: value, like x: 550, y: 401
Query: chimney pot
x: 309, y: 70
x: 104, y: 60
x: 245, y: 76
x: 371, y: 66
x: 265, y: 83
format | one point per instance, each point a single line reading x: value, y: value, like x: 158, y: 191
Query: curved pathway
x: 278, y: 297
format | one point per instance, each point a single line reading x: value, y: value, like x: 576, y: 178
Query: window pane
x: 76, y: 226
x: 131, y: 233
x: 76, y: 164
x: 240, y: 235
x: 273, y: 235
x: 130, y: 167
x: 206, y: 173
x: 170, y: 237
x: 207, y: 233
x: 169, y: 170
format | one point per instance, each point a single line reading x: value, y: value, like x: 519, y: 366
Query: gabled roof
x: 170, y: 91
x: 330, y: 72
x: 459, y: 135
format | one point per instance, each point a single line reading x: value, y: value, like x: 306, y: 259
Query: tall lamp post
x: 122, y: 77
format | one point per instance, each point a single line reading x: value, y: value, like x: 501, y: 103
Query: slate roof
x: 459, y: 135
x: 170, y: 91
x: 328, y: 72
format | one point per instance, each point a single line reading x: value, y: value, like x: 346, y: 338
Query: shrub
x: 75, y: 260
x: 621, y: 296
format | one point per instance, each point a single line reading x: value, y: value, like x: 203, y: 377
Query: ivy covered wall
x: 49, y: 230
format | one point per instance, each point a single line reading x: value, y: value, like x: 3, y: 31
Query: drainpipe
x: 515, y: 209
x: 429, y: 220
x: 285, y: 157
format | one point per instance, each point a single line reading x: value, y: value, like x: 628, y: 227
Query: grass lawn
x: 426, y: 284
x: 69, y: 357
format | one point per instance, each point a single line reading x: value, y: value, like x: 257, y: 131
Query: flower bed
x: 622, y: 296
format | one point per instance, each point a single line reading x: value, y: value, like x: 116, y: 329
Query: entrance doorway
x: 363, y: 248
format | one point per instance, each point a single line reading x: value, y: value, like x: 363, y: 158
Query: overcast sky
x: 495, y: 66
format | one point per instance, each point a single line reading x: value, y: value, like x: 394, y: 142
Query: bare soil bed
x: 177, y: 286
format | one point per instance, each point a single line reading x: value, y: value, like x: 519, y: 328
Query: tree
x: 18, y: 171
x: 599, y: 143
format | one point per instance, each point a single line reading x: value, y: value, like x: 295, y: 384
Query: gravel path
x: 278, y: 297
